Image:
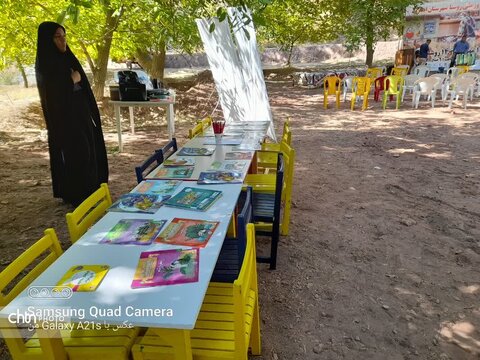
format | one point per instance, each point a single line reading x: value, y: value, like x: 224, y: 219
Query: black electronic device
x: 130, y: 87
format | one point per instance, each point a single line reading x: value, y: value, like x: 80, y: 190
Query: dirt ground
x: 382, y: 260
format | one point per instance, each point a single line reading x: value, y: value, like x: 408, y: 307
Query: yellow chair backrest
x: 361, y: 85
x: 399, y: 71
x: 331, y: 85
x: 206, y: 123
x: 395, y: 84
x: 374, y: 72
x: 196, y: 130
x: 245, y: 292
x: 50, y: 246
x: 88, y: 212
x: 289, y: 165
x: 47, y: 244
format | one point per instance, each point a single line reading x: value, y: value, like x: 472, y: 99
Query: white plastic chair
x: 347, y: 83
x: 474, y: 76
x: 409, y: 83
x: 461, y: 86
x: 444, y: 81
x: 425, y: 86
x: 421, y: 71
x: 453, y: 72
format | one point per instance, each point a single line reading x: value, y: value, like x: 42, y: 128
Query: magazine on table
x: 191, y: 198
x: 179, y: 161
x: 220, y: 177
x: 239, y: 155
x: 179, y: 172
x: 139, y: 203
x: 157, y: 187
x: 82, y: 278
x: 166, y: 267
x: 230, y: 165
x: 188, y: 232
x: 133, y: 231
x: 190, y: 151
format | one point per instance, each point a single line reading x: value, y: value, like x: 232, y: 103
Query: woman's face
x: 60, y: 40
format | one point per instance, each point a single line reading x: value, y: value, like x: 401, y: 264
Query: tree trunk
x: 153, y: 63
x: 22, y: 71
x: 369, y: 43
x: 370, y: 51
x: 103, y: 53
x: 290, y: 53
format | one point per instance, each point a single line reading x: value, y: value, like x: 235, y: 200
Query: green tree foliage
x: 289, y: 23
x: 365, y: 22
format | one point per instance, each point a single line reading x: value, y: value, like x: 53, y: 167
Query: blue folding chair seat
x: 169, y: 149
x: 231, y: 255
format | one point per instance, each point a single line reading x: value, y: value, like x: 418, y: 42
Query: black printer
x: 130, y: 87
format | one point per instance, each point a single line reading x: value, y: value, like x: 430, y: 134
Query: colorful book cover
x: 188, y: 232
x: 133, y: 231
x: 194, y: 198
x: 230, y: 165
x: 157, y: 187
x: 84, y: 277
x: 179, y: 161
x: 166, y: 267
x: 139, y: 203
x: 239, y: 155
x: 180, y: 172
x: 189, y: 151
x: 220, y: 177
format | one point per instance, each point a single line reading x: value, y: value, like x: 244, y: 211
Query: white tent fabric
x: 236, y: 70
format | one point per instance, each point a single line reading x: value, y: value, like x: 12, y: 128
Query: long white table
x: 252, y: 133
x: 182, y: 300
x: 165, y: 103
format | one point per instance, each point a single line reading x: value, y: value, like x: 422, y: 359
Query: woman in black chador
x: 78, y: 159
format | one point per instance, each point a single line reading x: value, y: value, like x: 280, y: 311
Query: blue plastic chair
x: 148, y: 165
x: 169, y: 149
x: 233, y: 249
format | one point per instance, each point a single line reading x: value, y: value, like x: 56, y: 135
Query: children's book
x: 134, y: 231
x: 194, y: 198
x: 180, y: 172
x: 84, y: 277
x: 230, y: 165
x: 239, y: 155
x: 188, y: 232
x: 189, y: 151
x: 219, y: 177
x: 178, y: 161
x: 166, y: 267
x: 157, y: 187
x: 139, y: 203
x: 226, y: 140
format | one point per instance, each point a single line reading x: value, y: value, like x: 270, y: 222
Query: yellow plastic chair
x: 374, y: 72
x: 331, y: 86
x: 267, y: 157
x: 394, y: 87
x: 75, y: 344
x: 196, y: 130
x: 361, y: 87
x: 265, y: 183
x: 206, y: 123
x: 399, y: 71
x: 227, y: 326
x: 88, y: 212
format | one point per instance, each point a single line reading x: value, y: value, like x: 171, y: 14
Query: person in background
x: 423, y: 52
x: 460, y: 47
x: 78, y: 158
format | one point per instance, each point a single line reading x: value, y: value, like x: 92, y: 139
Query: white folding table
x: 165, y: 103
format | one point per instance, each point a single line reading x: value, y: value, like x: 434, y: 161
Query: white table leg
x: 119, y: 128
x: 170, y: 121
x: 132, y: 124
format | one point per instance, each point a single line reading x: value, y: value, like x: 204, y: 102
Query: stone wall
x: 305, y: 54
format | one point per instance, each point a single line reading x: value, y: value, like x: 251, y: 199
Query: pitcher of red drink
x: 218, y: 126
